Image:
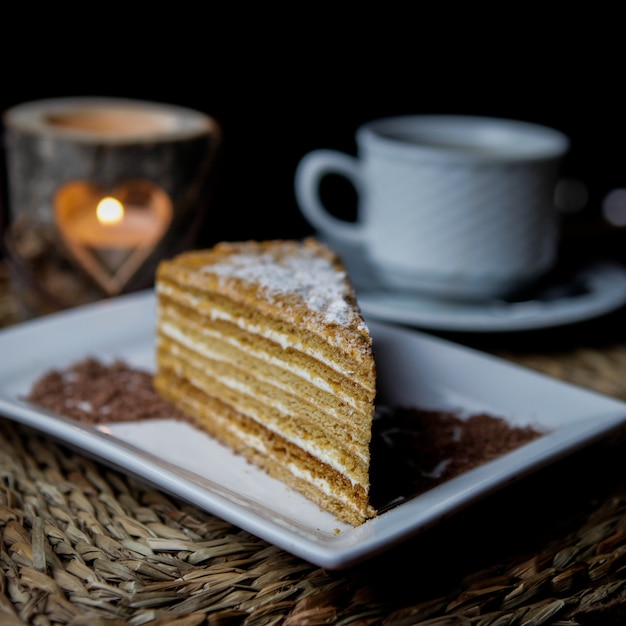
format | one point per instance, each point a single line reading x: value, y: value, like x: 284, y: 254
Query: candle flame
x: 109, y: 210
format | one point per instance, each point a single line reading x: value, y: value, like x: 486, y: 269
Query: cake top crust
x: 301, y: 282
x: 286, y: 273
x: 284, y: 268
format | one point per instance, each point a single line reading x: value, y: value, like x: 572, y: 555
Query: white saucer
x: 588, y: 293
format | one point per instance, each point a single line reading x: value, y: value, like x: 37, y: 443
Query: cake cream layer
x: 255, y: 347
x: 276, y: 329
x: 243, y: 274
x: 257, y: 404
x: 278, y: 457
x: 269, y: 394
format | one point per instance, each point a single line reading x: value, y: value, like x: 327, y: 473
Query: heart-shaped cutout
x: 111, y: 249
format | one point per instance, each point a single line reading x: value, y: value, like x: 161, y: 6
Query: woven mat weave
x: 83, y: 544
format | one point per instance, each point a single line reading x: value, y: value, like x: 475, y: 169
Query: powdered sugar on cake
x: 315, y: 280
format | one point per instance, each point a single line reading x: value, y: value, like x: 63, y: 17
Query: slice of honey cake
x: 263, y: 345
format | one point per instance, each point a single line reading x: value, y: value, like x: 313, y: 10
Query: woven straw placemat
x: 81, y: 543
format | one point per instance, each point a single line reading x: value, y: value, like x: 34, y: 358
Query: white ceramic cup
x: 454, y: 206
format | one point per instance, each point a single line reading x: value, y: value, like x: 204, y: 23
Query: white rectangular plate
x: 414, y: 369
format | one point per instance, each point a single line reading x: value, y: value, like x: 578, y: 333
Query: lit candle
x: 158, y: 158
x: 111, y: 224
x: 110, y: 236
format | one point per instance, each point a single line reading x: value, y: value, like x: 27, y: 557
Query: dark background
x: 283, y: 81
x: 281, y: 85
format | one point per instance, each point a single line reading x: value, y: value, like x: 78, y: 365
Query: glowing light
x: 614, y: 207
x: 110, y: 211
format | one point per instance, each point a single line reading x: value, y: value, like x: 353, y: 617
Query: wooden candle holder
x: 64, y: 155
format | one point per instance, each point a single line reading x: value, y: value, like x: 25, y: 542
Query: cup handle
x: 309, y: 173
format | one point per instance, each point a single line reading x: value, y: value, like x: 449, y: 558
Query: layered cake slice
x: 263, y: 345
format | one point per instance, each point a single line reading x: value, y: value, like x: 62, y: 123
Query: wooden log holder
x: 63, y: 157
